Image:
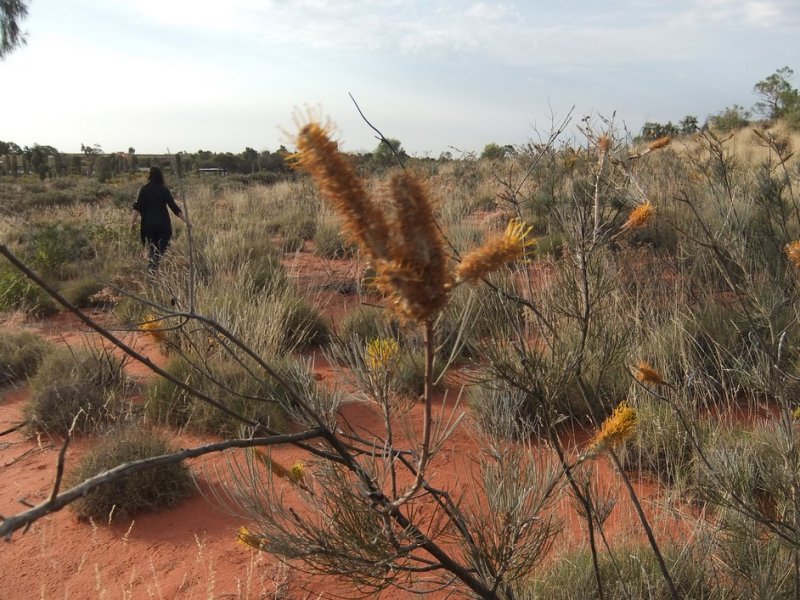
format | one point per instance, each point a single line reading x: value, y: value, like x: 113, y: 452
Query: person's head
x: 155, y: 176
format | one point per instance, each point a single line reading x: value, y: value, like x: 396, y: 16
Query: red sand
x: 191, y: 551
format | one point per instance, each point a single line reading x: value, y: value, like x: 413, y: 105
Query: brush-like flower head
x: 496, y: 252
x: 645, y: 373
x: 639, y: 216
x: 381, y: 354
x: 603, y: 144
x: 416, y: 274
x: 661, y: 142
x: 249, y: 539
x: 615, y: 429
x: 153, y: 326
x: 793, y: 252
x: 319, y: 156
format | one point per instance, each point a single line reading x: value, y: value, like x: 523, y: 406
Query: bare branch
x: 59, y: 501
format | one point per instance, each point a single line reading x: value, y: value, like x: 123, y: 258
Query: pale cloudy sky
x: 225, y: 74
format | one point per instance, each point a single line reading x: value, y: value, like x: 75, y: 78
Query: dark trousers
x: 157, y: 243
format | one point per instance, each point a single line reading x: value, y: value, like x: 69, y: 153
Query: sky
x: 185, y: 75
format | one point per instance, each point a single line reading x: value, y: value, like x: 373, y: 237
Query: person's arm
x: 134, y: 218
x: 176, y: 209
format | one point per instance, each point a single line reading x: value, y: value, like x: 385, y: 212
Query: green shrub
x: 21, y: 353
x: 329, y: 241
x: 80, y: 291
x: 221, y: 379
x: 572, y: 576
x: 86, y: 385
x: 17, y: 292
x: 660, y: 444
x: 303, y: 326
x: 145, y: 491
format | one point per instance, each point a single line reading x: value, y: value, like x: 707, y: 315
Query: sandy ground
x: 191, y: 551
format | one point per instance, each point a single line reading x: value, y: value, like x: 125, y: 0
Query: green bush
x: 221, y: 379
x: 80, y: 291
x: 83, y: 385
x: 572, y: 576
x: 21, y: 353
x: 17, y: 292
x: 303, y: 325
x: 329, y: 241
x: 145, y: 491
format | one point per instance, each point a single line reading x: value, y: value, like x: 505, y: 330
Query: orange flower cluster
x: 406, y: 248
x: 645, y: 373
x: 615, y: 429
x: 639, y: 216
x: 793, y: 253
x: 153, y: 326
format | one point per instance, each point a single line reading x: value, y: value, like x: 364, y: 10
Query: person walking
x: 151, y: 205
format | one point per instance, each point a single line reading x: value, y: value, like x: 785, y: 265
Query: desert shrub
x: 222, y: 379
x: 660, y: 444
x: 80, y: 291
x: 330, y: 242
x: 145, y: 491
x: 572, y: 576
x: 17, y: 292
x: 367, y: 323
x: 85, y: 385
x: 303, y: 325
x: 408, y: 376
x: 21, y: 353
x: 488, y: 401
x: 52, y: 246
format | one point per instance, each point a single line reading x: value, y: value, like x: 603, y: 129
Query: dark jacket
x: 152, y: 203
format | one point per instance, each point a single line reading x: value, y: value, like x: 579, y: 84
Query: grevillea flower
x: 416, y: 274
x: 153, y: 326
x: 249, y: 539
x: 604, y: 144
x: 381, y: 354
x: 319, y: 156
x: 639, y: 216
x: 297, y: 472
x: 496, y: 252
x: 615, y: 429
x: 645, y: 373
x: 661, y: 142
x: 793, y: 252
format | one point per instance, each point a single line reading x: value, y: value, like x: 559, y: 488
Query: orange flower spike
x: 615, y: 429
x: 496, y: 252
x: 319, y: 156
x: 645, y: 373
x: 661, y: 142
x: 416, y: 275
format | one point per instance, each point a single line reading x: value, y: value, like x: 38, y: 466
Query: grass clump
x: 145, y: 491
x: 224, y: 380
x: 84, y: 386
x: 21, y: 353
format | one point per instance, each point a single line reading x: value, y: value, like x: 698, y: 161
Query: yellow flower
x: 249, y: 539
x: 615, y: 429
x: 793, y: 252
x: 496, y: 252
x: 645, y: 373
x: 381, y: 354
x: 639, y: 216
x: 796, y: 413
x: 153, y: 326
x: 297, y: 472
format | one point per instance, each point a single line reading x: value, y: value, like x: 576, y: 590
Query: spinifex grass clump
x: 21, y: 353
x: 84, y: 387
x: 152, y: 489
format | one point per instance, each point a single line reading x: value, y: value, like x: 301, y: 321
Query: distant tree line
x: 778, y: 99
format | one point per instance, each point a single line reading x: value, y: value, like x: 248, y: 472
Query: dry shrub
x: 145, y: 491
x: 21, y: 353
x: 84, y: 385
